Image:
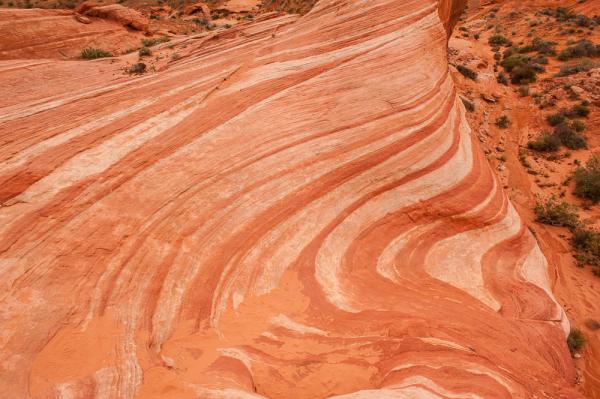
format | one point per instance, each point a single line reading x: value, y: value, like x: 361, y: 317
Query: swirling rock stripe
x: 295, y: 209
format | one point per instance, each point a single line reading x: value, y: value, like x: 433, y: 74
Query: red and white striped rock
x: 297, y: 209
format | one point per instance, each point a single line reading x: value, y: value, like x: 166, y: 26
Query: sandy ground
x: 577, y: 289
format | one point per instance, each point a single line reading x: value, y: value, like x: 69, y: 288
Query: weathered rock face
x: 35, y: 33
x: 116, y: 12
x: 297, y: 210
x: 197, y: 8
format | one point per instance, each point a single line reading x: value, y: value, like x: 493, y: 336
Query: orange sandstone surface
x: 295, y: 207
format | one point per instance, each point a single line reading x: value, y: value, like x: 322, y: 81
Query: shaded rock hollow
x: 296, y: 209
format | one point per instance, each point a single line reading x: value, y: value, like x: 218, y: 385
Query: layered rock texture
x: 294, y: 209
x: 36, y: 33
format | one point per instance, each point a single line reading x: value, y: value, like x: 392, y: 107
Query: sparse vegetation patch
x: 556, y: 213
x: 91, y: 53
x: 587, y: 180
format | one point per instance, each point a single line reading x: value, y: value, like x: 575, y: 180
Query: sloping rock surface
x: 297, y: 209
x: 36, y: 33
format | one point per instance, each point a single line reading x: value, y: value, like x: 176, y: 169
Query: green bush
x: 512, y: 61
x: 502, y: 78
x: 521, y: 68
x: 556, y: 213
x: 467, y: 72
x: 587, y: 180
x: 586, y: 244
x: 523, y: 74
x: 578, y: 126
x: 144, y: 51
x: 569, y: 137
x: 540, y: 59
x: 503, y: 122
x: 583, y: 48
x: 579, y: 111
x: 556, y: 119
x: 499, y: 40
x: 545, y: 143
x: 155, y: 41
x: 583, y: 65
x: 137, y: 69
x: 91, y: 53
x: 575, y: 340
x: 541, y: 46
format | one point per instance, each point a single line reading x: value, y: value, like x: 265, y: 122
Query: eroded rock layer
x: 294, y: 209
x: 36, y: 33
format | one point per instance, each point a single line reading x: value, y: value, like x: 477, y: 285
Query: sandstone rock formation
x: 295, y: 210
x: 125, y: 16
x: 36, y: 33
x: 197, y: 8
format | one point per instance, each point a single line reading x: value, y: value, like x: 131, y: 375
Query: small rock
x: 169, y: 362
x: 197, y: 8
x: 82, y: 19
x: 500, y: 149
x: 577, y: 356
x: 577, y: 90
x: 488, y: 98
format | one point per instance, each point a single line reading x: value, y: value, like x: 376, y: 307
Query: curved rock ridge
x: 294, y: 209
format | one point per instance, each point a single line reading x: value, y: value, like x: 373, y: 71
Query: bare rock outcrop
x: 125, y: 16
x: 197, y: 8
x: 299, y: 210
x: 37, y: 33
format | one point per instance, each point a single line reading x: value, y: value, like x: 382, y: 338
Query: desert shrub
x: 137, y: 68
x: 586, y: 244
x: 201, y: 21
x: 521, y: 68
x: 524, y: 74
x: 541, y: 46
x: 540, y: 59
x: 555, y: 119
x: 587, y: 180
x: 154, y: 41
x: 499, y: 40
x: 578, y: 126
x: 469, y: 105
x: 583, y: 48
x: 545, y: 143
x: 579, y: 110
x: 503, y: 122
x: 144, y: 51
x: 514, y: 60
x: 592, y: 324
x: 575, y: 340
x: 467, y: 72
x: 502, y: 78
x: 556, y: 213
x: 583, y: 65
x: 569, y: 137
x: 524, y: 90
x: 91, y: 53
